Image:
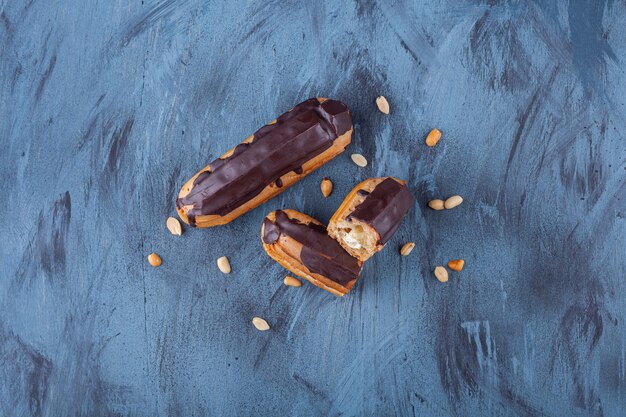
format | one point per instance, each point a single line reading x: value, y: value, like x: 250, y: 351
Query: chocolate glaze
x: 384, y: 208
x: 363, y: 192
x: 279, y: 183
x: 299, y: 135
x: 320, y: 253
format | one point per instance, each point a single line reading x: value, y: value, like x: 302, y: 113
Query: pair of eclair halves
x: 332, y: 257
x: 275, y: 157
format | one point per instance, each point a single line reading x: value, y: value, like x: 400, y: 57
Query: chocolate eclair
x: 301, y: 244
x: 267, y: 163
x: 370, y: 215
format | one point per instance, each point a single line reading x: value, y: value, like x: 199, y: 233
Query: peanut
x: 441, y: 274
x: 407, y: 248
x: 224, y: 265
x: 433, y: 137
x: 456, y: 264
x: 292, y: 282
x: 154, y: 259
x: 260, y: 324
x: 453, y: 201
x: 326, y: 186
x: 173, y: 225
x: 359, y: 159
x: 382, y: 104
x: 436, y: 204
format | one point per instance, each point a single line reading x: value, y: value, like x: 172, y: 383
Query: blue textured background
x: 107, y: 107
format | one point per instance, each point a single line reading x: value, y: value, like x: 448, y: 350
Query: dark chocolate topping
x: 320, y: 253
x: 384, y: 208
x: 299, y: 135
x: 363, y: 192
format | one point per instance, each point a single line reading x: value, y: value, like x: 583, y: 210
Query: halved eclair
x: 370, y: 215
x: 301, y: 244
x: 267, y: 163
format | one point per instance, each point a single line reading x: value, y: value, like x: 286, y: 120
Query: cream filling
x: 352, y: 238
x: 350, y: 241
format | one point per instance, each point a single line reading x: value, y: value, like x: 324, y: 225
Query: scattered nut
x: 260, y: 324
x: 441, y: 274
x: 456, y: 264
x: 407, y: 248
x: 359, y: 159
x: 173, y: 225
x: 224, y: 265
x: 326, y: 187
x: 433, y: 137
x: 382, y: 104
x: 436, y: 204
x: 154, y: 259
x: 292, y: 282
x: 453, y: 201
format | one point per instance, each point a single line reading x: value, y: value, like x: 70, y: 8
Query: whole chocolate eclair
x: 273, y: 158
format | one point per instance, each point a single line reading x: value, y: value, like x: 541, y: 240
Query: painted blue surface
x: 108, y: 107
